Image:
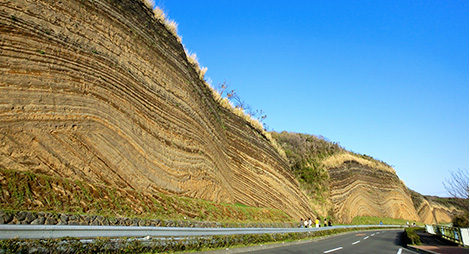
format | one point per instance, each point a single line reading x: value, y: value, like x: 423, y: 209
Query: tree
x: 457, y: 187
x: 239, y: 103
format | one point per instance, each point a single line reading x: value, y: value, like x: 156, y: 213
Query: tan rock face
x: 359, y: 190
x: 101, y: 91
x: 433, y: 212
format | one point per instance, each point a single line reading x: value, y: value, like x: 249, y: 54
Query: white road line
x: 328, y: 251
x: 366, y: 237
x: 372, y: 235
x: 356, y: 242
x: 399, y: 251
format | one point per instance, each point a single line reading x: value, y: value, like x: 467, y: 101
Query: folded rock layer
x: 101, y: 91
x: 361, y: 190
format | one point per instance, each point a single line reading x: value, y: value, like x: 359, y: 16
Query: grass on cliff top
x: 191, y: 57
x: 311, y: 156
x: 27, y: 191
x: 366, y: 220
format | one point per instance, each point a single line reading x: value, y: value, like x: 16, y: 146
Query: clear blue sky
x: 384, y: 78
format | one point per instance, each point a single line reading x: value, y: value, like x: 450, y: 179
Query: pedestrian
x: 329, y: 223
x: 324, y: 223
x: 301, y: 223
x: 306, y: 223
x: 309, y: 222
x: 317, y: 223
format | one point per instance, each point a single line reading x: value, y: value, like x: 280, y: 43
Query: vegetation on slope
x: 310, y: 156
x: 371, y: 220
x: 458, y: 206
x: 28, y: 191
x: 305, y: 154
x: 312, y: 159
x: 411, y: 237
x: 460, y: 217
x: 416, y: 198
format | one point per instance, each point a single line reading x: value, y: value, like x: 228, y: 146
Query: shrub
x: 411, y: 237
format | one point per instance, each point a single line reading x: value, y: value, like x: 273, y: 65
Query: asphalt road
x: 58, y: 231
x: 379, y: 241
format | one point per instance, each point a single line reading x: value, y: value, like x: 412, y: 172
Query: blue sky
x: 384, y: 78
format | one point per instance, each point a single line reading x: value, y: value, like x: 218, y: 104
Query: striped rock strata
x: 360, y: 190
x: 101, y: 91
x: 433, y: 211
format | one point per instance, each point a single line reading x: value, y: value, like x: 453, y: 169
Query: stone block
x: 20, y: 216
x: 30, y: 217
x: 7, y: 218
x: 64, y: 217
x: 95, y: 222
x: 51, y: 221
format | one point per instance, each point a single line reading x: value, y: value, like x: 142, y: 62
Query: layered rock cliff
x: 349, y: 184
x: 433, y: 210
x: 361, y: 190
x: 102, y: 92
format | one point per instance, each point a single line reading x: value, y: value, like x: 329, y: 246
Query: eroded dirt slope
x: 100, y: 91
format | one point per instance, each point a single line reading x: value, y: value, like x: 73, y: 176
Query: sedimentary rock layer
x: 101, y: 91
x: 434, y: 210
x: 360, y: 190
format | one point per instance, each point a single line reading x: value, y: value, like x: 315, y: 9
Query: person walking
x: 309, y: 222
x: 306, y: 223
x: 301, y: 223
x: 317, y: 223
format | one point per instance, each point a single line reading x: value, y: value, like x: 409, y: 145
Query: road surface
x: 379, y: 241
x: 58, y: 231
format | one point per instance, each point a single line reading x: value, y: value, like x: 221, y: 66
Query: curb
x: 414, y: 247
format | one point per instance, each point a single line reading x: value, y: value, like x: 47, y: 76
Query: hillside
x: 432, y: 209
x: 103, y: 111
x: 103, y: 93
x: 343, y: 184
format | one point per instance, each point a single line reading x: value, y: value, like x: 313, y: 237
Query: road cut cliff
x: 102, y: 92
x: 343, y: 184
x: 435, y: 210
x: 361, y: 190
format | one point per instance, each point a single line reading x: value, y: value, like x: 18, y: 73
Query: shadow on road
x: 400, y: 239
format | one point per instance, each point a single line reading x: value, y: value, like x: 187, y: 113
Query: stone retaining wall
x: 45, y: 218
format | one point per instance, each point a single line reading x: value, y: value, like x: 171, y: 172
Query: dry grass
x: 172, y: 27
x: 338, y: 159
x: 201, y: 71
x: 160, y: 16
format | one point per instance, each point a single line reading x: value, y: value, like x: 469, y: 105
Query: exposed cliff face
x: 432, y: 210
x: 433, y: 213
x: 350, y: 184
x: 360, y: 190
x: 102, y: 92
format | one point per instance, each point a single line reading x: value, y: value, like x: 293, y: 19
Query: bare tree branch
x: 457, y: 186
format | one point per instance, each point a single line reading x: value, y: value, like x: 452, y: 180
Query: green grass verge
x: 27, y: 191
x: 411, y: 237
x: 365, y: 220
